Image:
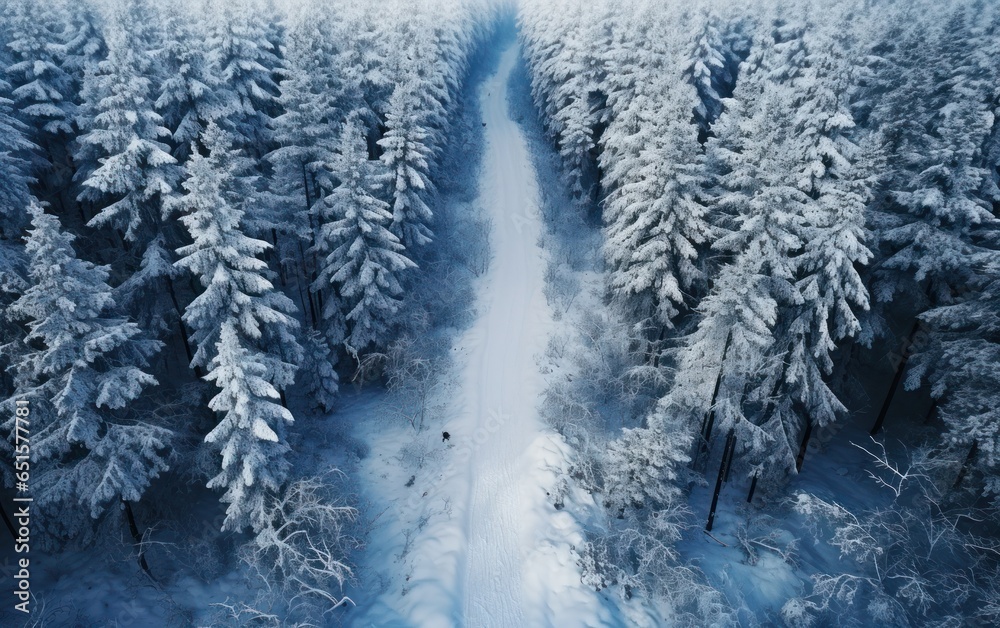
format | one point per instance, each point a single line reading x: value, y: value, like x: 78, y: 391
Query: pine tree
x: 362, y: 258
x: 363, y: 66
x: 425, y: 72
x: 655, y: 213
x: 193, y: 95
x: 83, y: 48
x: 149, y: 291
x: 248, y: 62
x: 641, y: 467
x: 322, y: 381
x: 244, y: 332
x: 653, y: 170
x: 407, y: 157
x: 236, y: 282
x: 541, y: 31
x: 15, y: 196
x: 707, y: 70
x: 938, y: 122
x: 948, y: 192
x: 312, y: 100
x: 125, y: 169
x: 960, y: 363
x: 564, y: 65
x: 41, y: 88
x: 839, y: 170
x: 576, y: 127
x: 251, y: 432
x: 763, y: 210
x: 82, y: 45
x: 835, y: 175
x: 83, y: 368
x: 15, y: 169
x: 727, y: 351
x: 760, y: 200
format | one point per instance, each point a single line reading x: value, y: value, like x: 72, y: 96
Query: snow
x: 501, y: 392
x: 556, y: 595
x: 834, y: 469
x: 489, y: 549
x: 484, y: 444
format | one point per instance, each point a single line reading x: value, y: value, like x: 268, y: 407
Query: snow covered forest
x: 798, y: 206
x: 490, y: 313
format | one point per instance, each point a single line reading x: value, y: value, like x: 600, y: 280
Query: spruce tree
x: 244, y: 331
x: 407, y: 157
x: 838, y: 169
x: 15, y: 168
x: 82, y: 43
x: 248, y: 64
x: 363, y: 260
x: 707, y: 70
x: 42, y: 89
x: 126, y: 169
x: 192, y: 95
x: 656, y: 212
x: 312, y: 100
x: 250, y: 435
x: 937, y: 118
x: 236, y: 282
x: 83, y: 367
x: 960, y: 364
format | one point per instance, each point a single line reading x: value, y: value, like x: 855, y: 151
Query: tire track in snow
x: 488, y: 548
x: 512, y: 329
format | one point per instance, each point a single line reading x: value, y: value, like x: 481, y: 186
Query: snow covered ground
x: 497, y: 418
x: 834, y: 469
x: 481, y: 543
x: 463, y: 532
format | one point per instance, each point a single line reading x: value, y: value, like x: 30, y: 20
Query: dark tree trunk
x: 8, y: 523
x: 181, y: 328
x: 708, y: 425
x: 656, y: 347
x: 277, y: 257
x: 802, y: 448
x: 83, y: 214
x: 931, y: 412
x: 123, y: 241
x: 305, y: 186
x: 309, y: 292
x: 709, y: 422
x: 753, y: 489
x: 965, y: 465
x: 767, y: 409
x: 313, y: 228
x: 305, y: 302
x: 136, y: 536
x: 727, y: 458
x: 896, y: 379
x: 306, y: 272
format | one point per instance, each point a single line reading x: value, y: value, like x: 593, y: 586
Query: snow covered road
x: 520, y: 568
x: 480, y: 545
x: 502, y: 380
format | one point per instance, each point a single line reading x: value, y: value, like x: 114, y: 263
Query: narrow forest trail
x: 477, y: 542
x: 501, y: 383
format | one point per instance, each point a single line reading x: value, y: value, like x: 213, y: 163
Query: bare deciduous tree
x: 414, y: 375
x: 301, y: 550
